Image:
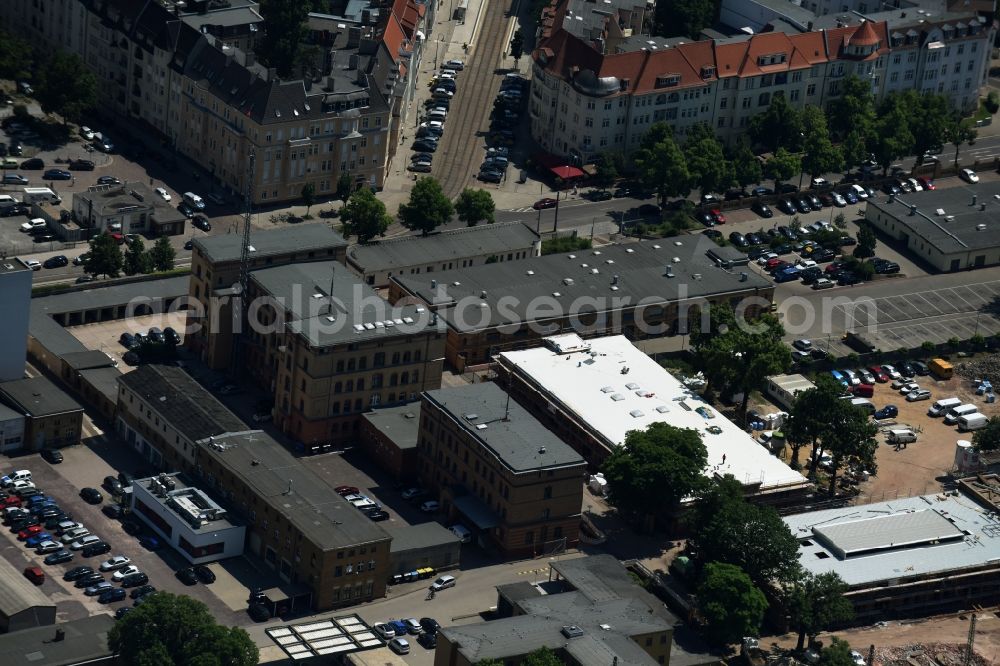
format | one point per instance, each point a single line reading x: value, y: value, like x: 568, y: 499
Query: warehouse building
x: 591, y: 393
x: 73, y: 643
x: 423, y: 545
x: 953, y: 229
x: 909, y: 557
x: 22, y: 604
x: 378, y: 261
x: 52, y: 419
x: 641, y: 290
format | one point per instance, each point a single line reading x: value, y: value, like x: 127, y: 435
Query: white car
x: 385, y: 631
x: 87, y: 133
x: 443, y: 583
x: 803, y: 345
x: 969, y: 176
x: 456, y: 65
x: 47, y: 547
x: 891, y: 372
x: 116, y: 562
x: 430, y: 506
x: 125, y: 571
x: 764, y: 258
x: 908, y: 388
x: 857, y: 658
x: 820, y: 182
x: 163, y: 194
x: 33, y: 264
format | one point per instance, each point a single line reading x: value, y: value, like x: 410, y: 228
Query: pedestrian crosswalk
x: 526, y: 209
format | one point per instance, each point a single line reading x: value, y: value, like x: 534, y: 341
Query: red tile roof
x: 865, y: 35
x: 408, y: 12
x: 394, y: 38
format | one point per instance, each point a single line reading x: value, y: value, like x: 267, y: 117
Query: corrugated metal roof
x: 899, y: 530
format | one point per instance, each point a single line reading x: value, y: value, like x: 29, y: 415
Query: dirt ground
x: 949, y: 630
x: 915, y: 470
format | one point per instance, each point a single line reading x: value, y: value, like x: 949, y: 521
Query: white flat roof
x: 591, y: 385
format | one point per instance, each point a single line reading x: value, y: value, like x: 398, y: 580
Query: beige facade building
x: 498, y: 471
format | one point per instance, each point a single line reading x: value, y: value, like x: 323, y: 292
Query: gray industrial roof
x: 400, y: 424
x: 915, y: 537
x: 17, y: 594
x: 7, y: 414
x: 435, y: 248
x: 359, y: 314
x: 604, y: 624
x: 38, y: 396
x: 88, y: 360
x: 182, y: 402
x: 947, y: 219
x: 421, y: 535
x: 293, y: 490
x: 503, y: 427
x: 607, y: 278
x: 83, y: 641
x: 296, y: 238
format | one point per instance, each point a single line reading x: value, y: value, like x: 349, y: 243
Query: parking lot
x: 935, y: 315
x: 104, y: 336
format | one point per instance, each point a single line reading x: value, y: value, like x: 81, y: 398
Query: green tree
x: 474, y: 206
x: 542, y: 657
x: 849, y: 439
x: 428, y: 207
x: 746, y: 166
x: 105, y: 256
x: 807, y: 417
x: 161, y: 257
x: 565, y: 244
x: 308, y: 196
x: 517, y: 46
x: 988, y: 438
x: 136, y: 259
x: 15, y: 57
x: 364, y: 216
x: 820, y: 155
x: 891, y: 137
x: 867, y: 240
x: 731, y: 605
x: 726, y: 528
x: 959, y: 132
x: 837, y: 653
x: 778, y: 127
x: 739, y: 354
x: 345, y: 186
x: 660, y: 164
x: 783, y: 165
x: 607, y: 171
x: 816, y: 603
x: 66, y: 86
x: 853, y: 110
x: 169, y: 629
x: 930, y: 117
x: 684, y: 18
x: 655, y: 468
x: 284, y: 35
x: 706, y: 162
x: 854, y: 149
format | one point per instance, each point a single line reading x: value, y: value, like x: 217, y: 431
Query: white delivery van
x: 973, y: 421
x: 40, y: 195
x: 901, y: 436
x: 193, y: 200
x: 941, y: 407
x: 865, y: 404
x: 461, y: 532
x: 953, y: 414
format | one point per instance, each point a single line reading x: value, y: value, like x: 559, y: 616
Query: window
x: 811, y: 89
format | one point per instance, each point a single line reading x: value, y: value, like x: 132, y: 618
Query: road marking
x: 520, y: 210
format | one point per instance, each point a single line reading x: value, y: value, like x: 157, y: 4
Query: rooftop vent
x: 696, y: 276
x: 949, y: 218
x: 482, y: 294
x: 572, y: 631
x: 529, y: 272
x: 556, y: 294
x: 980, y: 227
x: 743, y: 277
x: 637, y: 413
x: 434, y: 284
x: 656, y: 246
x: 480, y: 426
x: 567, y: 281
x: 541, y: 449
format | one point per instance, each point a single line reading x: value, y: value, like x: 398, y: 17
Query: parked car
x: 92, y: 495
x: 35, y: 575
x: 887, y: 412
x: 187, y: 576
x: 58, y: 557
x: 77, y: 572
x: 918, y: 394
x: 57, y: 174
x: 52, y: 456
x: 443, y: 583
x: 112, y: 595
x: 204, y: 574
x: 116, y: 562
x: 542, y: 204
x: 399, y: 645
x: 163, y: 194
x: 98, y: 589
x: 968, y: 175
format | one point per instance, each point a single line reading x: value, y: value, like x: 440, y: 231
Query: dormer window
x: 668, y: 80
x: 771, y: 59
x: 707, y: 71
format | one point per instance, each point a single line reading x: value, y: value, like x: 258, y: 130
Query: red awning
x: 567, y: 172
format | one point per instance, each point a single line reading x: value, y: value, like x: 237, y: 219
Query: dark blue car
x: 111, y: 596
x: 887, y: 412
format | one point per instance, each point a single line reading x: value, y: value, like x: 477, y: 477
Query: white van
x: 461, y: 532
x: 952, y: 416
x: 940, y: 407
x: 865, y: 404
x: 40, y: 195
x: 902, y: 436
x: 193, y: 200
x: 20, y: 475
x: 974, y: 421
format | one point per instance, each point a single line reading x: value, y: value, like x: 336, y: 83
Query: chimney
x: 352, y: 62
x: 249, y: 58
x: 60, y: 635
x: 329, y: 87
x: 973, y: 199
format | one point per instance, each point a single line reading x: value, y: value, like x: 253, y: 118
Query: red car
x: 346, y: 490
x: 773, y: 263
x: 717, y: 216
x: 926, y: 183
x: 880, y: 376
x: 544, y: 203
x: 29, y: 532
x: 10, y: 501
x: 35, y: 575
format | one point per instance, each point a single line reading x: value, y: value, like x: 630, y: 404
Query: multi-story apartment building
x: 187, y: 70
x: 599, y: 86
x: 294, y: 521
x: 496, y: 468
